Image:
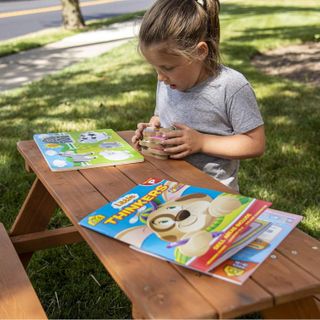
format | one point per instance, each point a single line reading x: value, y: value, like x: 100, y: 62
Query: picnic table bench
x: 285, y: 285
x: 18, y: 300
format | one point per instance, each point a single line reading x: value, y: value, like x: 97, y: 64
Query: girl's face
x: 176, y: 71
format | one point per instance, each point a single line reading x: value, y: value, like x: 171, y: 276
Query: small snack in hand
x: 151, y: 143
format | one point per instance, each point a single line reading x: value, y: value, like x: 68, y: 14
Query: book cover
x: 187, y: 225
x: 240, y: 266
x: 246, y: 237
x: 79, y: 150
x: 253, y: 231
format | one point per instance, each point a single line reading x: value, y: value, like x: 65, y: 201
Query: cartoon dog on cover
x: 186, y: 219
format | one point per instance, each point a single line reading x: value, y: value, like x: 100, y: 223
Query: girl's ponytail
x: 212, y: 8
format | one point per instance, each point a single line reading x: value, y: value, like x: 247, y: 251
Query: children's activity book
x: 254, y: 230
x: 184, y: 224
x: 240, y: 266
x: 79, y: 150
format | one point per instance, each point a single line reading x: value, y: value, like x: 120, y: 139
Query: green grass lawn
x: 113, y: 91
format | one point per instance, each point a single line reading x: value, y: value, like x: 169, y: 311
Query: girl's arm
x: 241, y: 146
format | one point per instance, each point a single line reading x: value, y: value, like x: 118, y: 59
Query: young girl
x: 213, y: 106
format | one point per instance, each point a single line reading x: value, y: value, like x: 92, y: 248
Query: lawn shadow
x: 233, y: 9
x: 284, y: 33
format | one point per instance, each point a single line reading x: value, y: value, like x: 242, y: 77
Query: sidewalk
x: 22, y: 68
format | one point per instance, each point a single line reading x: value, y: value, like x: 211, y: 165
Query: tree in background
x: 71, y: 15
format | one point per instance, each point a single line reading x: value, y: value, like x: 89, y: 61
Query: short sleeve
x: 243, y: 111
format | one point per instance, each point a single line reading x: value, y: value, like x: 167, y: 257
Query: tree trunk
x: 71, y: 14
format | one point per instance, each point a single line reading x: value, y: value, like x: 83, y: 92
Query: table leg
x: 34, y: 214
x: 306, y: 308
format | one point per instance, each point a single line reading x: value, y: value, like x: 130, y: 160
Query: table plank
x: 140, y: 173
x: 180, y: 170
x: 303, y: 250
x: 305, y: 308
x: 229, y: 299
x: 108, y: 179
x: 284, y: 279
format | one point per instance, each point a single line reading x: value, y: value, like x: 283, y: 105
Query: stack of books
x: 223, y: 235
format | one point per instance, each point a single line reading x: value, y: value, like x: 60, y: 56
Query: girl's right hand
x: 154, y: 122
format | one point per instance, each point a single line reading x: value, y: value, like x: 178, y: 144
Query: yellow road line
x: 50, y: 9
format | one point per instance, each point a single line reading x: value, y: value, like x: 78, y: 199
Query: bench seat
x: 18, y: 300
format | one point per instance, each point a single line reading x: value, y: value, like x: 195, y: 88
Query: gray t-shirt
x: 223, y: 105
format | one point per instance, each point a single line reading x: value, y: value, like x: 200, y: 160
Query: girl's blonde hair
x: 183, y: 24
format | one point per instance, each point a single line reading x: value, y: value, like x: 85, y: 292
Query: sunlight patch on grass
x: 269, y: 24
x: 266, y: 193
x: 60, y: 110
x: 60, y: 125
x: 4, y: 157
x: 282, y: 120
x: 292, y: 149
x: 75, y: 126
x: 311, y: 221
x: 290, y: 93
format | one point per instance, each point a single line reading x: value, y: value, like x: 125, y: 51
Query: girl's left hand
x: 182, y: 142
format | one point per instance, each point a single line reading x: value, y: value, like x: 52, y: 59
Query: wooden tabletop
x: 157, y: 288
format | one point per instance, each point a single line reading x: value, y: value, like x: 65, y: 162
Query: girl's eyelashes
x: 167, y: 68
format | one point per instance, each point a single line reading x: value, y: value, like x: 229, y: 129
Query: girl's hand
x: 182, y: 142
x: 154, y: 122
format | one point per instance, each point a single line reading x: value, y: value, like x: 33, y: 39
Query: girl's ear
x: 203, y: 50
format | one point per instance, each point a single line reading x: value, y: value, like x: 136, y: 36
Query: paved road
x: 18, y: 17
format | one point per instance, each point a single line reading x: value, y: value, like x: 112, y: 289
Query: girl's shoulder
x: 228, y: 81
x: 230, y: 76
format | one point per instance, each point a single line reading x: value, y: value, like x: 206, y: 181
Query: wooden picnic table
x: 285, y: 285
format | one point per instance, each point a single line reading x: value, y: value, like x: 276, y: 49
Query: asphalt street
x: 19, y: 18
